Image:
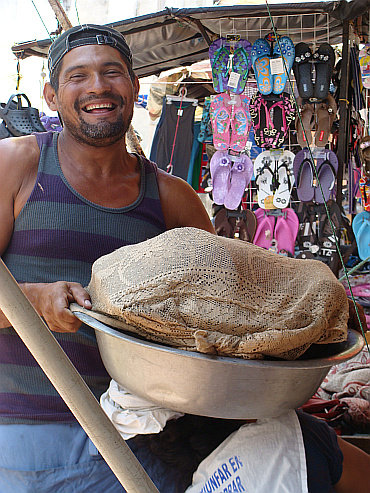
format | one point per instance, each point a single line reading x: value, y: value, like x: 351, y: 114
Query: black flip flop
x: 302, y: 69
x: 324, y: 59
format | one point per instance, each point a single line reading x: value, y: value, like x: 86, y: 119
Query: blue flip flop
x: 362, y: 236
x: 260, y: 56
x: 284, y: 49
x: 358, y: 220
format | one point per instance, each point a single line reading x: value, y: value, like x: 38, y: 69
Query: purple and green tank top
x: 57, y: 236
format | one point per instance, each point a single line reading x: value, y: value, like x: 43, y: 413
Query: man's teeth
x: 95, y: 106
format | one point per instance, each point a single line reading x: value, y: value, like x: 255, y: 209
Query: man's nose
x: 98, y: 83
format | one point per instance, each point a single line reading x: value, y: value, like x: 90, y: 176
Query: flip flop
x: 240, y: 125
x: 284, y: 49
x: 285, y: 178
x: 265, y: 229
x: 285, y: 236
x: 327, y: 237
x: 304, y: 122
x: 326, y: 171
x: 219, y: 53
x: 221, y: 120
x: 220, y: 168
x: 241, y: 174
x: 358, y: 220
x: 302, y: 69
x: 224, y: 225
x: 247, y: 227
x: 241, y: 63
x: 260, y: 55
x: 324, y: 58
x: 265, y: 180
x: 307, y: 233
x: 304, y: 175
x: 325, y: 114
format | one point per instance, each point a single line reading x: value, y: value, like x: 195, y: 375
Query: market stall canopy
x: 180, y: 37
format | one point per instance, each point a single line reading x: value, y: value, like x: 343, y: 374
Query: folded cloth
x: 132, y: 415
x: 191, y: 289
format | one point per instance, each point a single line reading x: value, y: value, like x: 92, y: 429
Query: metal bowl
x: 216, y: 386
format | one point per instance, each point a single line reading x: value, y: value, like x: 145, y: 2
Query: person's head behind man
x: 92, y: 83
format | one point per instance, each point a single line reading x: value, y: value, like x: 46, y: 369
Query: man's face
x: 96, y: 95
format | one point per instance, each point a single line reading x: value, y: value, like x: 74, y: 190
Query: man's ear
x: 50, y: 97
x: 136, y: 85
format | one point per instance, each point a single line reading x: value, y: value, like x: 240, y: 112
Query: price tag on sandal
x: 233, y: 80
x: 276, y: 66
x: 268, y: 203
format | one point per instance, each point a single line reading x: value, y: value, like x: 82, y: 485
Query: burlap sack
x: 193, y: 290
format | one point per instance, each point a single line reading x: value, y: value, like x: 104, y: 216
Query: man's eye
x: 76, y: 76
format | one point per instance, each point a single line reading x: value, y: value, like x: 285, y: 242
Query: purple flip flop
x: 304, y: 175
x: 241, y: 175
x: 326, y: 171
x: 220, y: 169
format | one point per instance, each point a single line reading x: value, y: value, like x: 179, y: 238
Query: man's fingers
x: 80, y: 295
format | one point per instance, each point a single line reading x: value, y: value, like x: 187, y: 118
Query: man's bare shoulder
x: 19, y: 157
x: 181, y: 204
x: 22, y: 150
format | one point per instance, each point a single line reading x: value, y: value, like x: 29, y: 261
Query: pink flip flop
x: 285, y: 232
x: 220, y: 169
x: 241, y: 175
x: 240, y: 125
x: 265, y: 229
x: 221, y: 119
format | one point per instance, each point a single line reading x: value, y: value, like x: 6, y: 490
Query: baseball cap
x: 87, y: 34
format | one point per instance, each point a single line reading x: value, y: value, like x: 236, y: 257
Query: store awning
x: 180, y: 37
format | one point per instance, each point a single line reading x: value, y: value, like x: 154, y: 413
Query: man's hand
x: 52, y: 301
x: 353, y: 322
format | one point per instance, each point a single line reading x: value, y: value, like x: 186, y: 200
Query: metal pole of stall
x: 68, y: 382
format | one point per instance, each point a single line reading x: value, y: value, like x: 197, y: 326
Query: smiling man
x: 65, y: 200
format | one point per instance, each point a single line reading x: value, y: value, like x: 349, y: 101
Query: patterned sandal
x: 219, y: 54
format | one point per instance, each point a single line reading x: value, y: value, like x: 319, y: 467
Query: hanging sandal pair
x: 262, y: 53
x: 230, y: 177
x: 323, y: 59
x: 277, y: 230
x: 240, y: 224
x: 308, y: 190
x: 271, y: 118
x: 315, y: 117
x: 231, y: 121
x: 19, y: 120
x: 224, y: 59
x: 316, y: 238
x: 274, y: 179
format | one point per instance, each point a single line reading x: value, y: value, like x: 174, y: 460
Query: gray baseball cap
x: 87, y: 34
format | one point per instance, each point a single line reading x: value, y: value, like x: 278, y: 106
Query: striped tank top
x: 57, y: 236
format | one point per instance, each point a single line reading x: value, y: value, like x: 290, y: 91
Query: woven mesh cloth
x: 193, y: 290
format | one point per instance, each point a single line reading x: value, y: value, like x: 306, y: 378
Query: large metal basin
x: 216, y: 386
